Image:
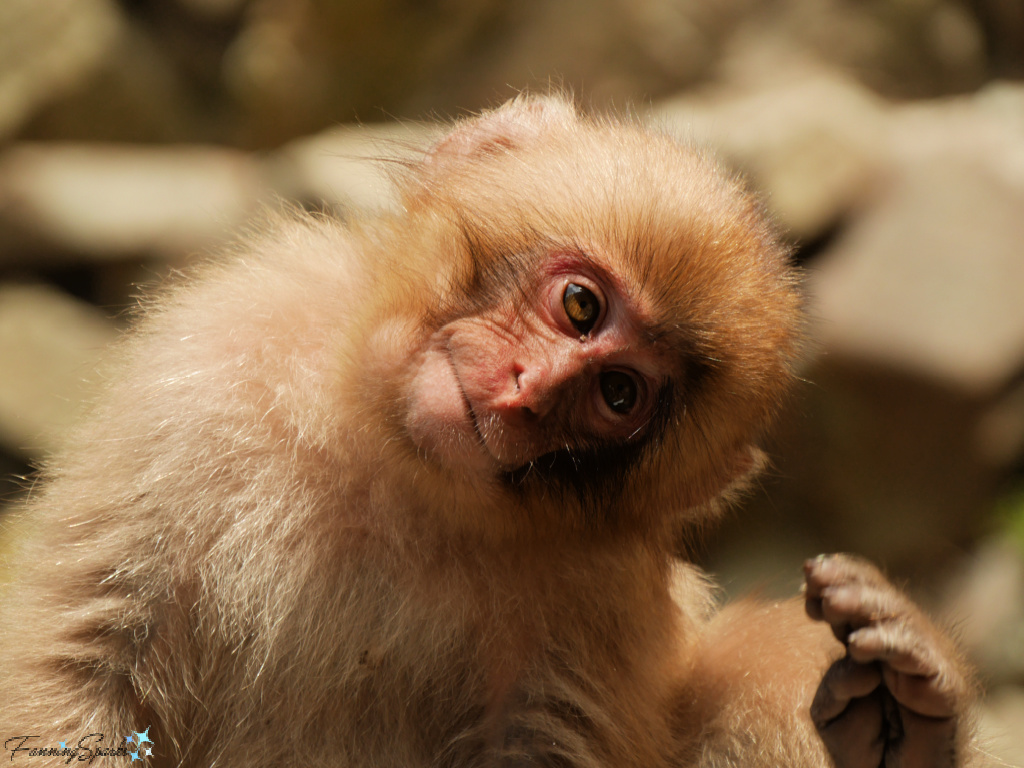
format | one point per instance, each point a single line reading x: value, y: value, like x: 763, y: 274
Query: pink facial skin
x: 497, y: 390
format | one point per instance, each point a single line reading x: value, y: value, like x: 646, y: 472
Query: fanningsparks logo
x: 94, y: 746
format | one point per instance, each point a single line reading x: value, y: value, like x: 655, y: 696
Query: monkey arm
x: 754, y: 673
x: 772, y: 686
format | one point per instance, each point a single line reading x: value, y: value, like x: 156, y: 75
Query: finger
x: 862, y: 603
x: 815, y: 578
x: 923, y: 696
x: 814, y: 608
x: 856, y: 738
x: 910, y: 670
x: 828, y: 570
x: 849, y: 607
x: 896, y: 645
x: 925, y: 743
x: 844, y: 682
x: 846, y: 593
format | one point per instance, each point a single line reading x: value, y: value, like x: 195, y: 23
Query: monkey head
x: 612, y: 318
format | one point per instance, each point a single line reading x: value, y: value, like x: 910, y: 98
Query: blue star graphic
x: 135, y: 756
x: 143, y: 737
x: 62, y: 745
x: 127, y: 739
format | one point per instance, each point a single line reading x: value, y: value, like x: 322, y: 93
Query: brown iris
x: 582, y: 307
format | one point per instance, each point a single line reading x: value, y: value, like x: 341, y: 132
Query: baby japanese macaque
x: 409, y: 491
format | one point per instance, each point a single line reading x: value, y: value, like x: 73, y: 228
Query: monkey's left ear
x: 515, y: 123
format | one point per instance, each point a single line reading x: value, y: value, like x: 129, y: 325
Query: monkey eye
x: 582, y: 307
x: 619, y: 391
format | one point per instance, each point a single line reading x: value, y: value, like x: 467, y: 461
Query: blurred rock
x: 1000, y: 435
x: 297, y: 66
x: 1002, y: 23
x: 258, y: 73
x: 918, y: 313
x: 110, y: 202
x: 213, y: 10
x: 985, y: 129
x: 193, y: 35
x: 810, y: 138
x: 134, y: 93
x: 985, y: 601
x: 871, y: 460
x: 898, y: 49
x: 46, y: 49
x: 928, y: 278
x: 346, y: 167
x: 50, y: 345
x: 1002, y: 726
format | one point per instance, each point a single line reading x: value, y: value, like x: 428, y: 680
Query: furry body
x: 261, y: 548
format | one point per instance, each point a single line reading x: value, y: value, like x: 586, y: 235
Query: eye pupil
x: 619, y: 391
x: 581, y: 306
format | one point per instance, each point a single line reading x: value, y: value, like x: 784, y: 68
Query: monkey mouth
x: 464, y: 424
x: 480, y: 431
x: 470, y: 412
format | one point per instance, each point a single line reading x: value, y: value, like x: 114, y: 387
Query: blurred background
x: 886, y: 136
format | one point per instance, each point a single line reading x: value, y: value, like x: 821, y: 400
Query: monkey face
x: 595, y: 293
x: 562, y: 367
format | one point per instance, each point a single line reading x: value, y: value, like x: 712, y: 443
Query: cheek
x: 485, y: 371
x: 435, y: 398
x: 487, y: 354
x: 437, y: 417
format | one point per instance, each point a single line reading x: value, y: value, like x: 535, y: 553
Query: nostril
x: 517, y: 372
x: 529, y: 398
x: 520, y: 397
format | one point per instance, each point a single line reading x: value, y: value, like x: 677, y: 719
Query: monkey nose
x: 533, y: 392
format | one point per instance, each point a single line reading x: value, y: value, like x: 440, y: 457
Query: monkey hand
x: 899, y: 695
